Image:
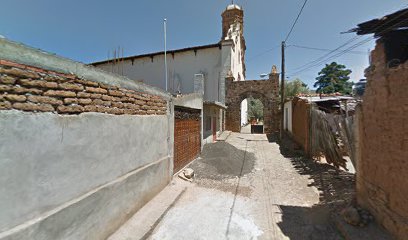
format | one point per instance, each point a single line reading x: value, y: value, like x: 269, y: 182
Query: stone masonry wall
x: 33, y: 89
x: 382, y: 167
x: 265, y: 90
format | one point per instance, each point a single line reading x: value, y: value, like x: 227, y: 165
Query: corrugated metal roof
x: 391, y: 22
x: 330, y: 98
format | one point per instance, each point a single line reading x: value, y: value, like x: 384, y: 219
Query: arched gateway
x: 265, y: 90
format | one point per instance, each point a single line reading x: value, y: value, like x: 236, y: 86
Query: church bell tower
x: 233, y: 15
x: 233, y: 30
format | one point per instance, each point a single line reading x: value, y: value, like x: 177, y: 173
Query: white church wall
x: 288, y: 116
x: 244, y: 112
x: 237, y: 67
x: 181, y: 70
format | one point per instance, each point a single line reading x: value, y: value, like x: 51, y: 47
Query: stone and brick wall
x: 265, y: 90
x: 33, y: 89
x: 382, y: 166
x: 73, y: 140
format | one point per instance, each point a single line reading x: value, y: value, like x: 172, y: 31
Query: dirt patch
x: 222, y: 160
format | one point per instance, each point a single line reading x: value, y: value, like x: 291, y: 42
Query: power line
x: 321, y: 60
x: 323, y: 49
x: 345, y: 50
x: 329, y: 53
x: 262, y: 53
x: 333, y: 57
x: 297, y: 18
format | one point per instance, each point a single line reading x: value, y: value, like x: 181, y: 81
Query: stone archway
x: 265, y: 90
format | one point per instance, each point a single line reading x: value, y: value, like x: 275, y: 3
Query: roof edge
x: 161, y: 53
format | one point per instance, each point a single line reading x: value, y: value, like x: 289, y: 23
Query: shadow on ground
x: 336, y: 190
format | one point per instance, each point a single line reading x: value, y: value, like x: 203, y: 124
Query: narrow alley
x: 244, y: 188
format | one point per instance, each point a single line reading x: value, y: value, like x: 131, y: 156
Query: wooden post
x: 282, y: 90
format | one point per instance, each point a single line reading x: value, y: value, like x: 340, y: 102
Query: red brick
x: 7, y: 80
x: 70, y: 100
x: 131, y: 106
x: 84, y: 101
x: 58, y: 93
x: 116, y: 93
x: 96, y: 90
x: 83, y: 95
x: 33, y: 107
x: 21, y: 90
x: 15, y: 98
x: 101, y: 102
x: 5, y: 88
x: 108, y: 98
x: 12, y: 64
x: 44, y: 99
x: 86, y: 82
x: 4, y: 105
x: 95, y: 95
x: 91, y: 108
x: 118, y: 104
x: 70, y: 109
x: 37, y: 83
x: 54, y: 78
x: 106, y: 86
x: 70, y: 86
x: 19, y: 73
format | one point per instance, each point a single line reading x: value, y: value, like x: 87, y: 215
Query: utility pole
x: 282, y: 91
x: 165, y: 50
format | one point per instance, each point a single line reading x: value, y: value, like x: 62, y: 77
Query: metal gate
x: 187, y: 140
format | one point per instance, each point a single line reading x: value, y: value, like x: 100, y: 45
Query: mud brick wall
x: 382, y: 168
x: 33, y: 89
x: 300, y: 123
x: 187, y: 134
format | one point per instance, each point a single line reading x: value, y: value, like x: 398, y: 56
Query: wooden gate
x: 187, y: 140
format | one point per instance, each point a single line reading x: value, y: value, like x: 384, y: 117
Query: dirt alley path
x: 245, y: 188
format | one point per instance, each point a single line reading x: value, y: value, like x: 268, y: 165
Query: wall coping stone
x: 20, y: 53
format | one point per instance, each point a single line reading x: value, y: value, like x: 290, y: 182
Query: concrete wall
x: 382, y: 168
x: 76, y: 174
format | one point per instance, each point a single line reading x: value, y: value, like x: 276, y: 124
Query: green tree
x: 255, y: 108
x: 334, y: 78
x: 294, y: 87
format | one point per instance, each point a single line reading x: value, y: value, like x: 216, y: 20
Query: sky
x: 85, y: 30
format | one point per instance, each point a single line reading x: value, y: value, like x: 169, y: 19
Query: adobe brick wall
x: 32, y: 89
x: 382, y: 170
x: 265, y: 90
x: 300, y: 123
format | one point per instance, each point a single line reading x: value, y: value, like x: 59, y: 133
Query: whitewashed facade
x: 287, y: 121
x: 185, y: 68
